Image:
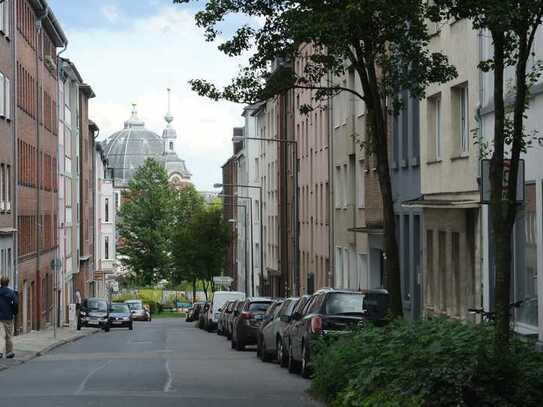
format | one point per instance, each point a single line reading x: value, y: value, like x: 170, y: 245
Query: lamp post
x: 252, y: 238
x: 261, y: 225
x: 246, y: 237
x: 294, y: 143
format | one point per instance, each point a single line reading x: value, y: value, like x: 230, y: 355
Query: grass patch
x: 164, y: 315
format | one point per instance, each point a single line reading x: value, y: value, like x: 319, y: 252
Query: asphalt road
x: 163, y: 363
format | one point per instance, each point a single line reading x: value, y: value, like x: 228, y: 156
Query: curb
x: 48, y: 349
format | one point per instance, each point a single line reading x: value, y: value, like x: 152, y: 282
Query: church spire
x: 169, y: 116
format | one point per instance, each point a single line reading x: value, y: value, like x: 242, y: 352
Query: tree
x: 145, y: 224
x: 382, y: 41
x: 199, y: 246
x: 512, y: 25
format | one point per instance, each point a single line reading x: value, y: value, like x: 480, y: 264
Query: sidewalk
x: 37, y: 343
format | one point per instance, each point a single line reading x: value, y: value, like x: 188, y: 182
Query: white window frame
x: 2, y: 95
x: 463, y: 118
x: 2, y: 187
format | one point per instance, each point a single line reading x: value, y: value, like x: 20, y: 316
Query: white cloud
x: 135, y: 61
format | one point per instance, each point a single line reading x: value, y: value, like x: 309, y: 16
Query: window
x: 339, y: 267
x: 2, y: 92
x: 4, y: 18
x: 526, y: 276
x: 8, y: 188
x: 455, y: 260
x: 361, y: 185
x: 344, y: 185
x: 442, y: 259
x: 2, y: 188
x: 106, y: 247
x: 339, y: 185
x: 171, y: 145
x: 106, y: 210
x: 434, y: 127
x: 359, y: 106
x: 461, y: 116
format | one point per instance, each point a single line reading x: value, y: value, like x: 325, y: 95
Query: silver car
x: 139, y: 312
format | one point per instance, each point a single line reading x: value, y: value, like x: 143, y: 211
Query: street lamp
x: 261, y: 224
x: 252, y: 238
x: 246, y: 238
x: 294, y: 143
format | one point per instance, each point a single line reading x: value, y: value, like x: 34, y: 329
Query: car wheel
x: 306, y: 368
x: 292, y: 364
x: 281, y: 354
x: 265, y: 354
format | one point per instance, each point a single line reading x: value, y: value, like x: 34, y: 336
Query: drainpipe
x: 56, y: 280
x: 39, y: 105
x: 15, y: 168
x: 331, y: 195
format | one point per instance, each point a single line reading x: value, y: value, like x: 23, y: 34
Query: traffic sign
x: 223, y: 280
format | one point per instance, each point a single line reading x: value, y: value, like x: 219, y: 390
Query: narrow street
x: 164, y: 363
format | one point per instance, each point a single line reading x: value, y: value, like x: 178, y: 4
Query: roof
x: 50, y: 22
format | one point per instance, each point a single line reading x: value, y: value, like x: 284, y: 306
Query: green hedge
x: 437, y: 362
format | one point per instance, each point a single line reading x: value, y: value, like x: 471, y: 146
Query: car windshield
x: 97, y: 305
x: 119, y: 308
x: 259, y: 306
x: 134, y: 306
x: 344, y: 303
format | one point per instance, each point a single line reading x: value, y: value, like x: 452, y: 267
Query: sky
x: 131, y: 51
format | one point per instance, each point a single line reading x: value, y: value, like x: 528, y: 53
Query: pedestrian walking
x: 9, y: 305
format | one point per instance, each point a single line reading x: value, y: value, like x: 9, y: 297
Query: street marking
x: 168, y: 384
x: 86, y: 379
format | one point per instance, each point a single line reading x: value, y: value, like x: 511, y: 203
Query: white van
x: 219, y: 299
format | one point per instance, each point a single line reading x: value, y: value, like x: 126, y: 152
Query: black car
x: 194, y: 311
x: 330, y: 311
x: 203, y: 315
x: 120, y: 316
x: 93, y: 312
x: 247, y: 317
x: 271, y: 333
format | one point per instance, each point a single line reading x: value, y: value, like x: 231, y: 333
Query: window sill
x: 460, y: 157
x: 432, y: 162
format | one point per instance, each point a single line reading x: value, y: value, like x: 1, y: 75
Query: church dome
x: 127, y: 150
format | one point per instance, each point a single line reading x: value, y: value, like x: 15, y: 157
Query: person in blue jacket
x: 9, y: 305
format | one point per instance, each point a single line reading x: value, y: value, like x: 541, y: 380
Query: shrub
x: 437, y: 362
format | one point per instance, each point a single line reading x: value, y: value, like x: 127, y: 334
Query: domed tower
x: 127, y: 149
x: 169, y: 135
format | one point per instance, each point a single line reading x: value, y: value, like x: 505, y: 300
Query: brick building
x: 36, y: 41
x: 7, y: 136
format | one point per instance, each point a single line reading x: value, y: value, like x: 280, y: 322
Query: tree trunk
x: 378, y: 145
x: 501, y: 228
x: 193, y: 290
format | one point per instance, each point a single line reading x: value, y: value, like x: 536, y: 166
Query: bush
x: 437, y: 362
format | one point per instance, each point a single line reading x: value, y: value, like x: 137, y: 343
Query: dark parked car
x: 203, y: 315
x: 120, y: 316
x: 194, y: 312
x: 271, y: 339
x: 247, y: 318
x: 229, y: 320
x: 225, y: 311
x: 330, y: 311
x: 139, y: 312
x: 94, y: 312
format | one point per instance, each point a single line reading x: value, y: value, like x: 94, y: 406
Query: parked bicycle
x: 490, y: 316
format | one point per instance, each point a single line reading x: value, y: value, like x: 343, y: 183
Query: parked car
x: 272, y: 341
x: 93, y: 312
x: 229, y: 318
x: 203, y: 316
x: 225, y: 311
x: 120, y: 316
x: 331, y: 311
x: 285, y: 340
x: 269, y: 316
x: 247, y: 318
x: 139, y: 312
x: 194, y: 313
x: 188, y: 315
x: 219, y: 298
